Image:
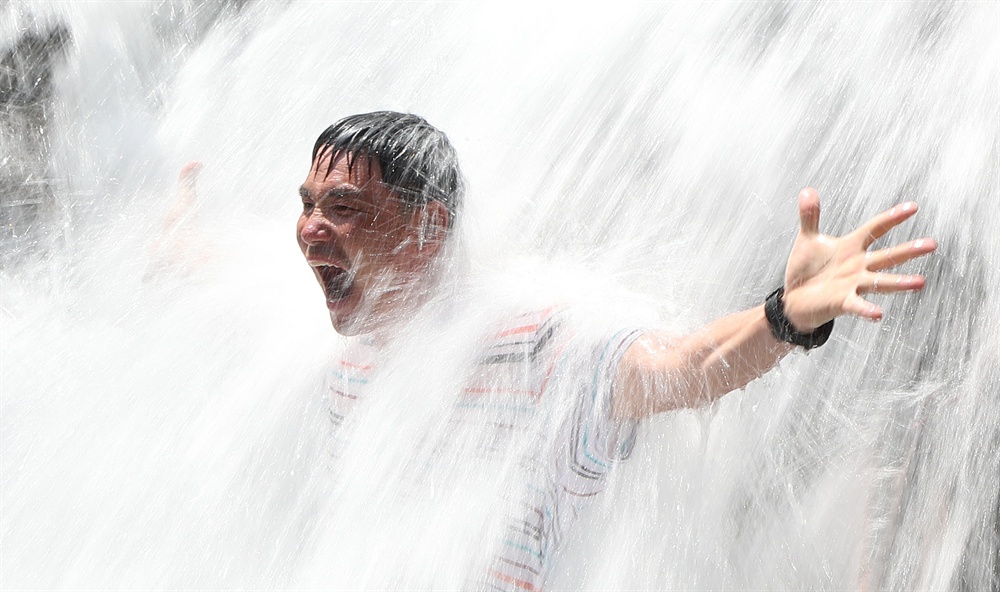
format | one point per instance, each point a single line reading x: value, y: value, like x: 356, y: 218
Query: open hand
x: 826, y: 276
x: 188, y: 176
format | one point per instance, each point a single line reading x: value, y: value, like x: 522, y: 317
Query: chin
x: 367, y: 317
x: 354, y: 323
x: 348, y: 327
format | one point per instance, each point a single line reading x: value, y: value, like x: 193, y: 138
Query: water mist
x: 163, y: 422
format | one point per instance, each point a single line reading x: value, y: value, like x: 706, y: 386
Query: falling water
x: 163, y: 424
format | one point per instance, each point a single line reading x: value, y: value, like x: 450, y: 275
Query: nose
x: 315, y: 229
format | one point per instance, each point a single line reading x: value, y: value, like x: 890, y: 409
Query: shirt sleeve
x: 571, y: 370
x: 590, y: 441
x: 597, y: 440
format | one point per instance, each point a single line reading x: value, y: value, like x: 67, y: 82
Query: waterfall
x: 162, y: 419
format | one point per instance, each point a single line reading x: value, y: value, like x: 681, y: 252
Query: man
x: 379, y: 206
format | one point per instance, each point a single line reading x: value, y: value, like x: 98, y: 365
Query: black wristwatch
x: 781, y: 328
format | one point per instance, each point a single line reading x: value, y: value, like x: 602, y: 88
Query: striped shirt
x: 540, y: 392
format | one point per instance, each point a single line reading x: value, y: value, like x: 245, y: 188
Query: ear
x: 433, y: 227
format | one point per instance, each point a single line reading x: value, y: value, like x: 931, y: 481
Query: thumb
x: 809, y: 211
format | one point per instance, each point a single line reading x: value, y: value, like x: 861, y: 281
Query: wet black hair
x: 417, y: 160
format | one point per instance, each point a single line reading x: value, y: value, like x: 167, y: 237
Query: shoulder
x: 526, y: 336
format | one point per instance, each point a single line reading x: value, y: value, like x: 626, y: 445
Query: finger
x: 189, y: 174
x: 860, y: 307
x: 891, y: 257
x: 192, y: 168
x: 875, y: 228
x: 887, y: 283
x: 809, y: 211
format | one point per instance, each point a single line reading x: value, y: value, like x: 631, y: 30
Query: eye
x: 307, y: 206
x: 343, y: 211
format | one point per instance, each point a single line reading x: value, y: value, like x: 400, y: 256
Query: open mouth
x: 337, y: 282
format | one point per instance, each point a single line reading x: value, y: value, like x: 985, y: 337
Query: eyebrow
x: 335, y: 192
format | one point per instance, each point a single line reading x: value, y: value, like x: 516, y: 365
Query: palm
x: 826, y: 276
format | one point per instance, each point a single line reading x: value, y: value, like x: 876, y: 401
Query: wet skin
x: 361, y: 241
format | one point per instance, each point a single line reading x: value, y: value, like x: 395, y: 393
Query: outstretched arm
x: 826, y: 277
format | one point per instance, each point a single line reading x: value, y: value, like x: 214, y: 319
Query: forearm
x: 660, y: 372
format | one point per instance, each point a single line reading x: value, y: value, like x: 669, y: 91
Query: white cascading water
x: 162, y: 420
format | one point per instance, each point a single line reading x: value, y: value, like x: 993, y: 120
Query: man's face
x: 360, y: 240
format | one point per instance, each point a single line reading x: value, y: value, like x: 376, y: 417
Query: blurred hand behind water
x: 180, y: 248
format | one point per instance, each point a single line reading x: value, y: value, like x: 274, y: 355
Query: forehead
x: 342, y: 168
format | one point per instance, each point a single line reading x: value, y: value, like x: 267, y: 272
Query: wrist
x: 783, y: 328
x: 797, y: 312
